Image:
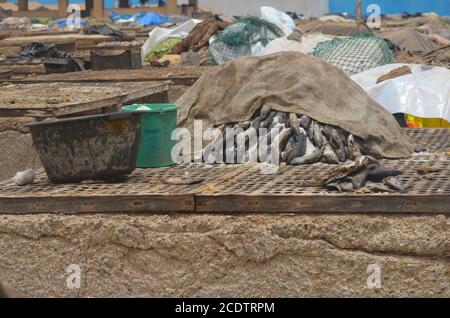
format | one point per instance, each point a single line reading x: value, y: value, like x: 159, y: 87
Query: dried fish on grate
x: 298, y: 139
x: 301, y: 140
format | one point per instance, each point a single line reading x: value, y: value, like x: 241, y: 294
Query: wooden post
x: 171, y: 7
x: 23, y: 5
x: 62, y: 8
x: 124, y: 4
x: 97, y: 10
x: 89, y: 4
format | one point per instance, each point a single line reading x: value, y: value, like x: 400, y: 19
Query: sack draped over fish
x: 293, y: 83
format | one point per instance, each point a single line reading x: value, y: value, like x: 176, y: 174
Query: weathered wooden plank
x: 38, y: 97
x: 80, y: 39
x: 330, y: 203
x: 86, y: 204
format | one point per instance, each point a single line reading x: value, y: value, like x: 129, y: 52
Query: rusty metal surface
x: 242, y: 188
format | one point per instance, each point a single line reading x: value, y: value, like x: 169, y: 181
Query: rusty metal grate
x: 140, y: 182
x: 242, y: 188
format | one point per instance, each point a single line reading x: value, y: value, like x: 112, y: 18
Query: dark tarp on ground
x: 291, y: 82
x: 103, y: 29
x: 42, y: 50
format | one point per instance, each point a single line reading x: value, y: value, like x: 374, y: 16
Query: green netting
x: 355, y: 54
x: 242, y: 37
x: 249, y: 30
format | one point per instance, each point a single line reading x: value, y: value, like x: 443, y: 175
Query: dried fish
x: 354, y: 150
x: 305, y: 121
x: 372, y: 187
x: 420, y: 148
x: 264, y: 112
x: 308, y: 159
x: 293, y: 123
x: 266, y: 123
x: 284, y: 136
x: 317, y: 138
x: 299, y: 146
x: 281, y: 117
x: 288, y: 149
x: 329, y: 156
x: 244, y: 125
x: 394, y: 184
x: 336, y: 142
x: 380, y: 173
x: 341, y: 187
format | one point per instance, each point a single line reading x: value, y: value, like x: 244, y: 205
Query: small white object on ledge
x: 25, y: 177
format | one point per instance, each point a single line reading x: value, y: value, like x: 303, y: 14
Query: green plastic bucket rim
x: 154, y: 108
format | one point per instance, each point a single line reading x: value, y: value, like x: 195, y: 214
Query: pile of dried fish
x: 300, y: 139
x: 366, y: 174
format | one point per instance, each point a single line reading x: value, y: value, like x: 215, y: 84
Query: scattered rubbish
x: 38, y: 50
x: 47, y: 51
x: 25, y: 177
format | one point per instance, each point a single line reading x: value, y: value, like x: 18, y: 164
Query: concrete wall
x: 252, y: 7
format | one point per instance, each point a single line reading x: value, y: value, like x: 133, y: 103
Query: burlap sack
x: 291, y: 82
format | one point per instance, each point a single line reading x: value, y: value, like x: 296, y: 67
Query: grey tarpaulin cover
x: 411, y: 40
x: 291, y: 82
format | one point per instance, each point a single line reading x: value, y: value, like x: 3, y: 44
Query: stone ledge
x: 203, y: 255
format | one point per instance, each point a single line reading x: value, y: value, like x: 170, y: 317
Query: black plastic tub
x: 99, y: 147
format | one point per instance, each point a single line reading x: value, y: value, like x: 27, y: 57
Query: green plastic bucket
x: 157, y: 124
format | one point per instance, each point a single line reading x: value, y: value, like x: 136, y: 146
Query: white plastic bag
x: 424, y: 93
x: 157, y: 35
x: 280, y: 45
x: 309, y: 42
x: 280, y: 19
